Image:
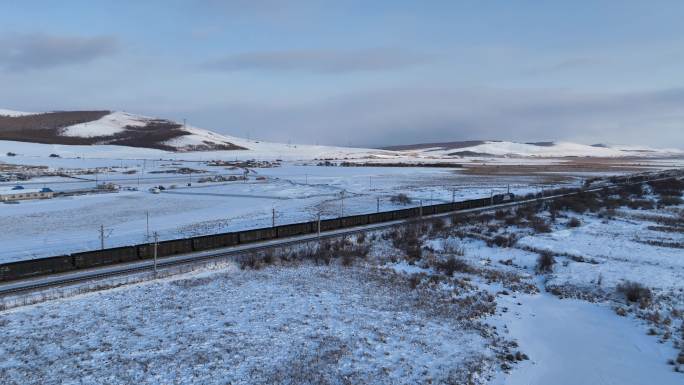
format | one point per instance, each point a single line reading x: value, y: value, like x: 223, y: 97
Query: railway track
x: 94, y: 274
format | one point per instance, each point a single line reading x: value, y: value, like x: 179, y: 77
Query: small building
x: 18, y: 194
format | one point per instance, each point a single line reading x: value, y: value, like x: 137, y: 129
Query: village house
x: 18, y: 193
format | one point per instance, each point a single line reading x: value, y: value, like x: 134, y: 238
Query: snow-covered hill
x: 538, y: 149
x: 13, y: 113
x: 108, y: 128
x: 105, y: 133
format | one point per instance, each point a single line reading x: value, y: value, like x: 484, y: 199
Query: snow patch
x: 108, y: 125
x: 13, y: 113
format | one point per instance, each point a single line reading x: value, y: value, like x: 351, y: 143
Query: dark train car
x: 105, y: 257
x: 444, y: 208
x: 459, y: 205
x: 503, y: 198
x: 385, y: 216
x: 406, y: 213
x: 483, y: 202
x: 296, y: 229
x: 354, y: 220
x: 165, y: 248
x: 428, y: 210
x: 257, y: 235
x: 215, y: 241
x: 330, y: 224
x: 25, y: 269
x: 476, y: 203
x: 177, y: 246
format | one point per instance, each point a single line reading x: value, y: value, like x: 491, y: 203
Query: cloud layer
x: 412, y: 115
x: 39, y: 51
x: 319, y: 61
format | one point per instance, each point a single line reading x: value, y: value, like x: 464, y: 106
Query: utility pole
x: 378, y: 207
x: 147, y: 226
x: 370, y: 182
x: 420, y: 210
x: 101, y: 237
x: 273, y: 218
x: 342, y: 204
x: 491, y: 197
x: 319, y: 226
x: 156, y: 241
x: 453, y: 195
x: 306, y: 179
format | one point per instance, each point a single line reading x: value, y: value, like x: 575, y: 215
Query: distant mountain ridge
x: 116, y: 128
x: 546, y: 149
x: 108, y: 128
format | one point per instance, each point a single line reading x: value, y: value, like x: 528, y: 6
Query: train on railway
x: 97, y: 258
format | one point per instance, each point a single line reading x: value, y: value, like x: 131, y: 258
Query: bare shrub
x: 503, y: 240
x: 361, y: 238
x: 579, y: 203
x: 635, y: 292
x: 644, y: 204
x: 413, y: 252
x: 408, y: 239
x: 634, y: 189
x: 401, y: 199
x: 267, y: 258
x: 415, y: 280
x: 501, y: 214
x: 438, y: 225
x: 452, y: 264
x: 574, y: 222
x: 347, y: 259
x: 250, y: 261
x: 670, y: 187
x: 458, y: 219
x: 512, y: 221
x: 545, y: 262
x: 669, y: 200
x: 540, y: 226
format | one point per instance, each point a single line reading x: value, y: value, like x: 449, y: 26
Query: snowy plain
x: 384, y: 319
x: 296, y: 190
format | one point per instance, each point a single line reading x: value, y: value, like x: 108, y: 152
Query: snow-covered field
x: 432, y: 302
x: 310, y: 324
x: 296, y: 189
x: 297, y: 192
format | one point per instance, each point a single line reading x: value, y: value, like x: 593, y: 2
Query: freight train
x: 97, y: 258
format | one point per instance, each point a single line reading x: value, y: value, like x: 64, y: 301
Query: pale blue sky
x: 359, y: 72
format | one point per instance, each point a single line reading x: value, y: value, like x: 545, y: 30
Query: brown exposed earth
x: 46, y: 128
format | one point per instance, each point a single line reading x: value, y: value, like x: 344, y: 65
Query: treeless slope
x: 53, y: 128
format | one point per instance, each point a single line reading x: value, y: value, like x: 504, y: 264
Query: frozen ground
x: 298, y: 193
x: 434, y: 302
x: 618, y: 250
x: 280, y: 325
x: 296, y: 190
x: 573, y: 342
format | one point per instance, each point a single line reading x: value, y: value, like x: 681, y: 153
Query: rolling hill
x: 103, y: 131
x: 108, y: 128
